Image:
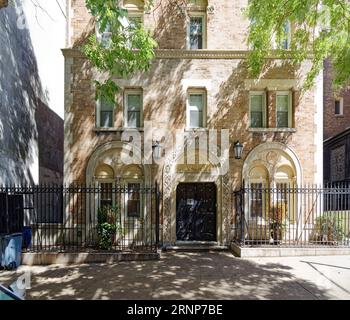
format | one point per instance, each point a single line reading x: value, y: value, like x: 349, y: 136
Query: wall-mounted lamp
x: 238, y: 150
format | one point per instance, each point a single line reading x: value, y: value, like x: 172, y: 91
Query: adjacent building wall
x: 31, y: 84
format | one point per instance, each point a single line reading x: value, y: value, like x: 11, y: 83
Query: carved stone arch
x: 274, y: 155
x: 109, y: 154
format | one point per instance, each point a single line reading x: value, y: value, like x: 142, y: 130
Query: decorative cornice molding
x: 186, y: 54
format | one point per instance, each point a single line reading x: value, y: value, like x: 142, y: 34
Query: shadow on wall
x: 20, y: 95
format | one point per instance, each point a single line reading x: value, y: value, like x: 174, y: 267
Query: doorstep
x: 250, y: 252
x: 195, y: 246
x: 65, y: 258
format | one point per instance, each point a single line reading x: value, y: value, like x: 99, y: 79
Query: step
x: 195, y: 247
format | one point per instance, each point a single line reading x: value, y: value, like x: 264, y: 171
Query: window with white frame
x: 133, y: 108
x: 196, y: 31
x: 133, y: 200
x: 257, y: 109
x: 104, y: 114
x: 286, y: 36
x: 283, y: 109
x: 338, y: 106
x: 104, y: 37
x: 196, y: 108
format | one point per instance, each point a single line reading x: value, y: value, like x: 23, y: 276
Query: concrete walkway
x: 194, y: 276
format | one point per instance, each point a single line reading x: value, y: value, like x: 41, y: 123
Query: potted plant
x: 328, y: 229
x: 277, y: 219
x: 108, y: 227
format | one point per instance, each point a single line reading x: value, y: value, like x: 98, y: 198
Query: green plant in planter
x: 328, y: 228
x: 108, y: 226
x: 277, y: 218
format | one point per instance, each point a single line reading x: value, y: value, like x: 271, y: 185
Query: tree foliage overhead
x: 320, y: 30
x: 129, y: 48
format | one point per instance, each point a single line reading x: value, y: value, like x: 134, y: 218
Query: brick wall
x: 334, y: 124
x: 165, y: 99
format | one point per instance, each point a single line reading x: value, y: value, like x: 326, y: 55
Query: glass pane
x: 256, y: 199
x: 134, y: 102
x: 282, y: 103
x: 196, y: 102
x: 196, y: 119
x: 134, y: 120
x: 106, y: 119
x: 256, y: 119
x: 134, y: 203
x: 256, y: 103
x: 282, y: 119
x: 106, y: 194
x: 106, y: 105
x: 196, y: 33
x: 337, y: 107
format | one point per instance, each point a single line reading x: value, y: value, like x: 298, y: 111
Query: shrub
x: 108, y: 226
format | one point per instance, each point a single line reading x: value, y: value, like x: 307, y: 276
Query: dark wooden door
x: 196, y: 212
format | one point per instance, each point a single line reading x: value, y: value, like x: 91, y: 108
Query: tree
x: 128, y: 49
x: 320, y: 30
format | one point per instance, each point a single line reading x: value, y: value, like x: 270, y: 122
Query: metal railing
x: 290, y: 215
x: 80, y: 217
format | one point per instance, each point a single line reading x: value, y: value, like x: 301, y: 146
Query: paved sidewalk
x: 194, y: 276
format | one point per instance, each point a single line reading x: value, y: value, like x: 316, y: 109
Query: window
x: 256, y: 199
x: 104, y: 114
x: 196, y: 32
x: 105, y: 36
x: 283, y: 109
x: 106, y: 194
x: 133, y: 109
x: 133, y: 206
x: 338, y: 107
x: 196, y: 108
x: 135, y: 21
x: 286, y: 36
x: 257, y: 105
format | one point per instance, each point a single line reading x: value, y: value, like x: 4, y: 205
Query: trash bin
x: 11, y: 251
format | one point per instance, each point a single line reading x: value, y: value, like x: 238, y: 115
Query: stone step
x: 195, y: 248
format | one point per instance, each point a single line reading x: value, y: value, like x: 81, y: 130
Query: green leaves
x: 320, y: 30
x: 122, y: 48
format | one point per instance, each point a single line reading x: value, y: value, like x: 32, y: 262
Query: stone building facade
x: 197, y: 82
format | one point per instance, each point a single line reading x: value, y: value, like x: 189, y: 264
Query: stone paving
x: 217, y: 275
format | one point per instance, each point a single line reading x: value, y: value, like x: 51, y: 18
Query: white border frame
x: 98, y: 116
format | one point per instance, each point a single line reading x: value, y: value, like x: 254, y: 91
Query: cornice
x: 185, y: 54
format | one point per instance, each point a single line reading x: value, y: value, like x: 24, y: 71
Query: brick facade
x: 221, y: 71
x: 334, y: 124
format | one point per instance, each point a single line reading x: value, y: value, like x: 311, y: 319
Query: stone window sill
x: 194, y: 130
x: 116, y: 129
x: 263, y: 130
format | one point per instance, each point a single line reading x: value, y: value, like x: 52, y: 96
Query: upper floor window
x: 133, y: 108
x: 257, y: 106
x: 104, y: 37
x: 104, y: 114
x: 196, y: 109
x: 196, y: 31
x: 338, y: 107
x: 284, y: 109
x: 286, y: 36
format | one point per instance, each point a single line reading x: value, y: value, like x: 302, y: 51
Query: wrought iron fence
x: 289, y: 215
x: 80, y: 218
